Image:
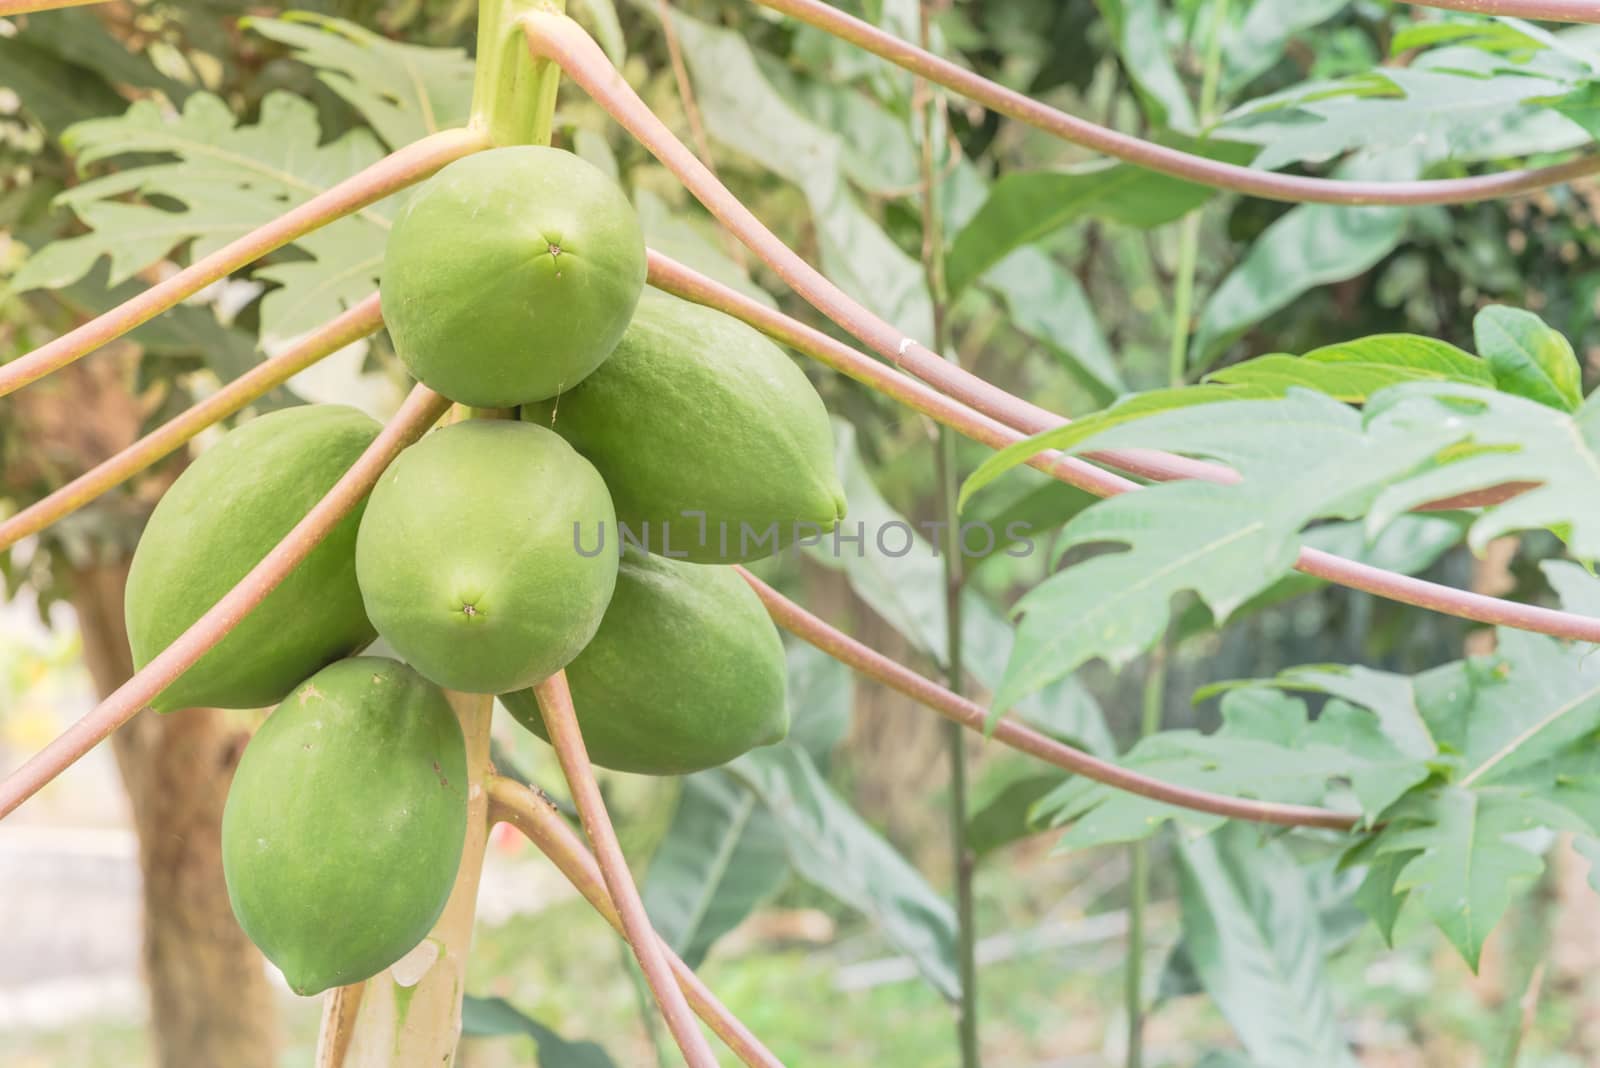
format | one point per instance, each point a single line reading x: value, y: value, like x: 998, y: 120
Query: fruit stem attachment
x: 513, y: 93
x: 512, y: 802
x: 561, y: 724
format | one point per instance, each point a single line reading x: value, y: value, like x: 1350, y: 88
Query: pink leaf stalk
x: 802, y: 624
x: 561, y: 723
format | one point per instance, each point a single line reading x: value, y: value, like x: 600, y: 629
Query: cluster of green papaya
x: 654, y: 442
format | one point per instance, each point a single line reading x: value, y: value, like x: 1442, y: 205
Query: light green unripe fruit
x: 345, y: 822
x: 216, y: 522
x: 697, y: 412
x: 686, y: 672
x: 510, y: 275
x: 476, y: 557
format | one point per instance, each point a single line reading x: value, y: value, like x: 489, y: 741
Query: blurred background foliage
x: 810, y: 854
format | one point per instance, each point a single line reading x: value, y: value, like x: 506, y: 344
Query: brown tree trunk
x: 211, y: 1004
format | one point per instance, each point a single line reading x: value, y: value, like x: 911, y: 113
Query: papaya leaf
x: 1505, y: 439
x: 1378, y: 896
x: 1390, y: 697
x: 226, y: 179
x: 1139, y: 35
x: 404, y: 91
x: 1582, y: 106
x: 723, y: 855
x: 1576, y: 586
x: 1045, y: 300
x: 1504, y: 713
x: 1253, y: 932
x: 1021, y: 508
x: 1310, y: 246
x: 1352, y: 371
x: 1448, y: 106
x: 1026, y: 206
x: 834, y: 850
x: 1301, y: 457
x: 1410, y: 545
x: 1466, y: 867
x: 1267, y: 748
x: 1003, y: 800
x: 1528, y: 358
x: 490, y: 1017
x: 1257, y: 42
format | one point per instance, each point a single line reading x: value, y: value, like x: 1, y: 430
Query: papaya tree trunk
x: 210, y: 1001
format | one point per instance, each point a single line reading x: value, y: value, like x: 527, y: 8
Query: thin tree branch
x: 802, y: 624
x: 561, y: 723
x: 359, y: 321
x: 404, y: 168
x: 1549, y: 10
x: 513, y: 803
x: 676, y: 278
x: 1285, y: 187
x: 419, y: 412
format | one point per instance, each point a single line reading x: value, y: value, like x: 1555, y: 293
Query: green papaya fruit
x: 345, y: 821
x: 713, y: 443
x: 471, y: 555
x: 510, y: 275
x: 686, y: 672
x: 222, y: 515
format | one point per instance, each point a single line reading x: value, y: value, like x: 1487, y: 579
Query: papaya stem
x: 512, y: 802
x: 420, y: 410
x: 403, y: 168
x: 358, y: 322
x: 561, y: 724
x: 513, y: 93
